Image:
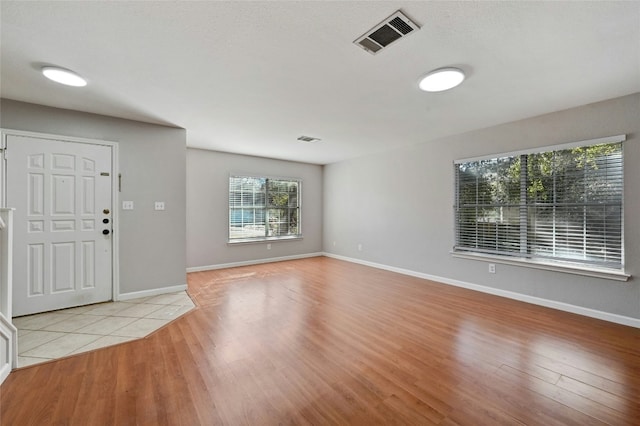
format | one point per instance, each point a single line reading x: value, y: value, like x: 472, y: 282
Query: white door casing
x: 62, y: 193
x: 8, y: 332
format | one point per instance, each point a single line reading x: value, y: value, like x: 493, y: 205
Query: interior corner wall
x: 208, y: 209
x: 152, y: 163
x: 398, y: 206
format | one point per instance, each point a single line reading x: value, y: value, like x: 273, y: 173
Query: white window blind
x: 564, y: 205
x: 263, y: 208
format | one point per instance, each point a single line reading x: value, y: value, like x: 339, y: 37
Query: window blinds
x: 563, y: 204
x: 263, y: 208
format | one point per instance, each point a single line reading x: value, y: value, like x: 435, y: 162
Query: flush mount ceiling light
x: 441, y: 79
x: 63, y: 76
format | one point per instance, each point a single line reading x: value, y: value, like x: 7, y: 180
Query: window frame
x: 513, y: 258
x: 264, y: 238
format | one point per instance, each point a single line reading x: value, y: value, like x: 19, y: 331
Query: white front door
x: 62, y: 229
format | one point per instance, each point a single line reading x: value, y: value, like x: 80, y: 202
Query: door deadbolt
x: 105, y: 220
x: 105, y: 211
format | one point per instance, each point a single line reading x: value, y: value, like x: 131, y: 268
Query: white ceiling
x: 250, y: 77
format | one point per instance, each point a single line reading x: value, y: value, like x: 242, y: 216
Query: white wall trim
x: 252, y: 262
x: 588, y: 312
x: 152, y: 292
x: 8, y: 335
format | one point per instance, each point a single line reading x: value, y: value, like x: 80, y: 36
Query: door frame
x: 115, y: 190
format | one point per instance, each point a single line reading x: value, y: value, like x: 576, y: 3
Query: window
x: 563, y: 205
x: 263, y: 208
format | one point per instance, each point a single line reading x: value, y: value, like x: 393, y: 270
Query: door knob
x: 105, y: 220
x: 105, y: 231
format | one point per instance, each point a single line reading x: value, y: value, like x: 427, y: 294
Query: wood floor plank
x: 322, y: 341
x: 597, y: 411
x: 598, y: 395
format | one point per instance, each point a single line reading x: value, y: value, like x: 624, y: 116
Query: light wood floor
x: 321, y: 341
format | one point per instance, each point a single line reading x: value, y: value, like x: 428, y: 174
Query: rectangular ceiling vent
x: 308, y: 139
x: 386, y: 32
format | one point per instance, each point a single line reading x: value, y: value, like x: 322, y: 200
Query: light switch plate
x: 127, y: 205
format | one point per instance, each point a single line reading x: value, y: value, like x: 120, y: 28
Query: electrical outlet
x: 359, y: 247
x: 269, y: 246
x: 492, y: 268
x: 127, y: 205
x: 159, y: 205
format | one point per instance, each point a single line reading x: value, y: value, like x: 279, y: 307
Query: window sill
x: 262, y: 240
x: 610, y: 274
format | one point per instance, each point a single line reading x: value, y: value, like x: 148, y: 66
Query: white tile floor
x: 51, y: 335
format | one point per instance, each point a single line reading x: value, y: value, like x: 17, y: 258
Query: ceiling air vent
x: 386, y: 32
x: 308, y: 139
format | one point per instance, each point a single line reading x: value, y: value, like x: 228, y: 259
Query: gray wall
x: 208, y: 208
x: 152, y: 163
x: 398, y: 205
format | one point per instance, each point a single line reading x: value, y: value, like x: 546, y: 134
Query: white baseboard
x: 588, y: 312
x: 152, y: 292
x: 252, y: 262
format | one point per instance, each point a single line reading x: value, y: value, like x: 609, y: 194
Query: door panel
x: 87, y: 264
x: 35, y: 269
x: 60, y: 191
